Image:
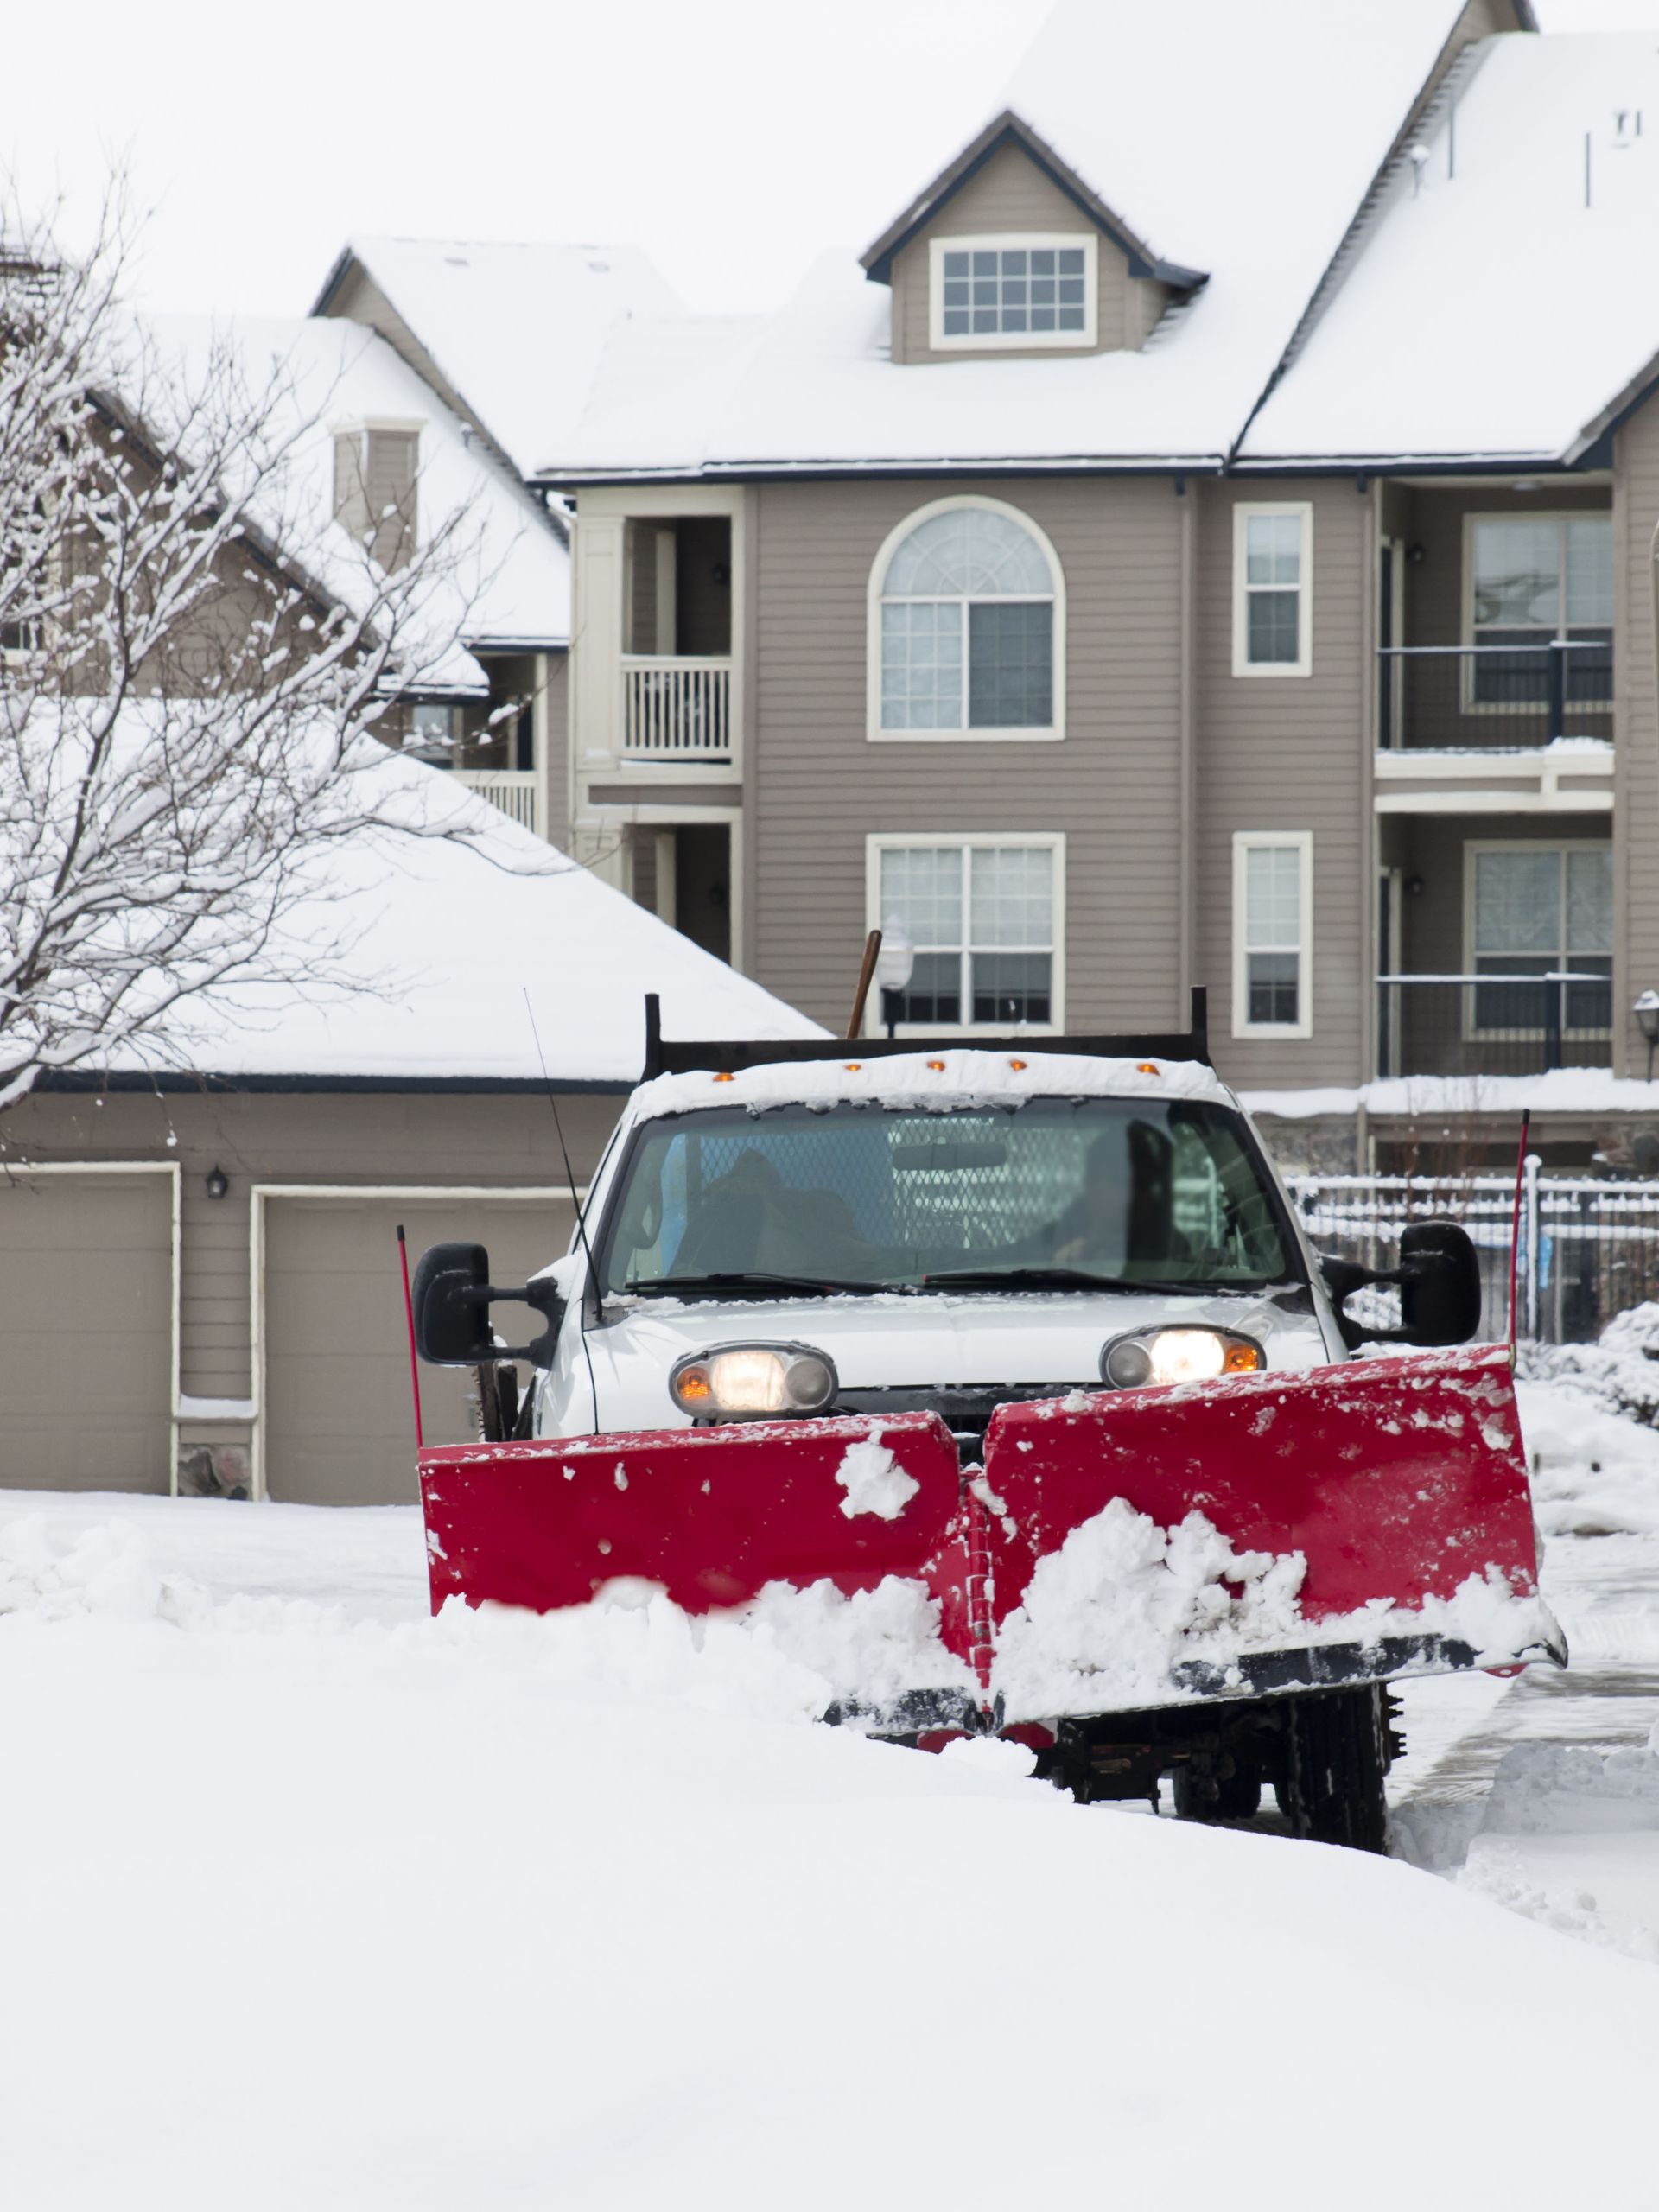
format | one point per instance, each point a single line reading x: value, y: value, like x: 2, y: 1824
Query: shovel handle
x: 872, y: 946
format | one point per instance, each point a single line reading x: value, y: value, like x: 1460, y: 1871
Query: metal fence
x: 1495, y: 1023
x: 1509, y: 691
x: 1589, y: 1245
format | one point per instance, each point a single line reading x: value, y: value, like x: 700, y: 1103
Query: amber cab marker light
x: 1241, y: 1359
x: 1019, y: 1066
x: 1147, y: 1067
x: 725, y: 1078
x: 854, y: 1067
x: 937, y: 1066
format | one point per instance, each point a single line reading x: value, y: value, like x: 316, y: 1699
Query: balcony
x: 512, y: 789
x: 1494, y: 1023
x: 676, y: 707
x: 1496, y: 727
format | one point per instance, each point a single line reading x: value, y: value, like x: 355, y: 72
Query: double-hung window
x: 1541, y: 914
x: 1013, y: 292
x: 1273, y: 557
x: 965, y: 619
x: 1534, y: 579
x: 983, y: 913
x: 1273, y: 897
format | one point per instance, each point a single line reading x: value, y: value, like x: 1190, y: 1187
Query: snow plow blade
x: 1359, y: 1522
x: 710, y: 1515
x: 1401, y: 1484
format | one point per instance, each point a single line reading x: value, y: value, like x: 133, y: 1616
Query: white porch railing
x: 675, y: 707
x: 510, y: 789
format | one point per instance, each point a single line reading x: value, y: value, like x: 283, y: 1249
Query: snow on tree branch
x: 196, y: 659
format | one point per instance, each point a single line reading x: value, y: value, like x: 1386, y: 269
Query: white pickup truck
x: 1041, y: 1284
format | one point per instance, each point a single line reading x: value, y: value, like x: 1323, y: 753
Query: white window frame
x: 1303, y: 664
x: 895, y: 537
x: 1246, y: 842
x: 1560, y: 517
x: 1051, y: 841
x: 1473, y: 847
x: 1017, y: 342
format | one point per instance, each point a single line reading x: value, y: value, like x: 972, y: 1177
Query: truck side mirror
x: 1439, y: 1281
x: 1440, y: 1284
x: 452, y: 1295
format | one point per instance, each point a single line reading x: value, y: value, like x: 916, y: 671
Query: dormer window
x: 1014, y: 292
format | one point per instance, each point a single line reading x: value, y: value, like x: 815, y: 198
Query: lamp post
x: 1646, y: 1011
x: 896, y: 962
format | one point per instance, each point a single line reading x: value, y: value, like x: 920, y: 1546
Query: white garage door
x: 339, y: 1427
x: 85, y: 1331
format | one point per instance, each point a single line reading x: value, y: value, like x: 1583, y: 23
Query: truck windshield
x: 1113, y: 1190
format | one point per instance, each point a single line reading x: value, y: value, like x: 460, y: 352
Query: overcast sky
x: 732, y: 139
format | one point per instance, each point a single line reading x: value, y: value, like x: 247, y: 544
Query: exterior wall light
x: 218, y: 1182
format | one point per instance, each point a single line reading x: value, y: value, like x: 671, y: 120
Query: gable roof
x: 1487, y: 314
x: 1009, y: 130
x: 515, y: 330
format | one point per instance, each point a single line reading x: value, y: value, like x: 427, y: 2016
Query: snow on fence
x: 1589, y: 1246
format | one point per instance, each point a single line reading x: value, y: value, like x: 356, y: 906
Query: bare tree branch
x: 196, y: 667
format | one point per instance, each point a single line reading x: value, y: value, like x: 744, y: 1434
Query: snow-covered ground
x: 309, y: 1899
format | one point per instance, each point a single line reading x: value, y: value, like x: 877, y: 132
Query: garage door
x: 339, y: 1430
x: 85, y: 1331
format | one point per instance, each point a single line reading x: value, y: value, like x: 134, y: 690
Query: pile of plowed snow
x: 498, y: 1912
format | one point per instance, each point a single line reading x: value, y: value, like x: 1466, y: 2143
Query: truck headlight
x: 749, y: 1382
x: 1160, y: 1356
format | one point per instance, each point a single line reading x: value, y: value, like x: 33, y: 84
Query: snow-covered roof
x: 1237, y: 141
x: 512, y: 582
x: 515, y: 330
x: 441, y: 941
x: 1488, y: 311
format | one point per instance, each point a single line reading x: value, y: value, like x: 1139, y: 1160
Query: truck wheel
x: 1235, y: 1796
x: 1331, y: 1783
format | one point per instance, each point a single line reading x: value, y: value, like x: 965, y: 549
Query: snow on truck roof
x: 937, y: 1078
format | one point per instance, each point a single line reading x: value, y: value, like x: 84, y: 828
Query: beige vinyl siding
x: 1636, y: 710
x: 389, y: 489
x: 818, y: 788
x: 365, y: 1137
x: 1286, y: 753
x: 1012, y: 195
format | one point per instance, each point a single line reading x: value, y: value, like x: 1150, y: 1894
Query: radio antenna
x: 581, y: 1218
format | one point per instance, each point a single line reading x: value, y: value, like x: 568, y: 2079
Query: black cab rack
x: 686, y: 1056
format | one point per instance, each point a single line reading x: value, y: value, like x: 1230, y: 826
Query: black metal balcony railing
x: 1493, y: 1025
x: 1446, y: 697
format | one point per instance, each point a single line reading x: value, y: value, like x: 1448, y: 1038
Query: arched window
x: 966, y: 628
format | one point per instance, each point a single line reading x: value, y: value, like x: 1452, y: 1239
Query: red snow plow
x: 1211, y: 1579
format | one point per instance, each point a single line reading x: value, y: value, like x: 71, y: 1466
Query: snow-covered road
x: 306, y: 1899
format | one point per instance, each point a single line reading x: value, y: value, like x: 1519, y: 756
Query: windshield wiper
x: 785, y: 1285
x: 1047, y: 1279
